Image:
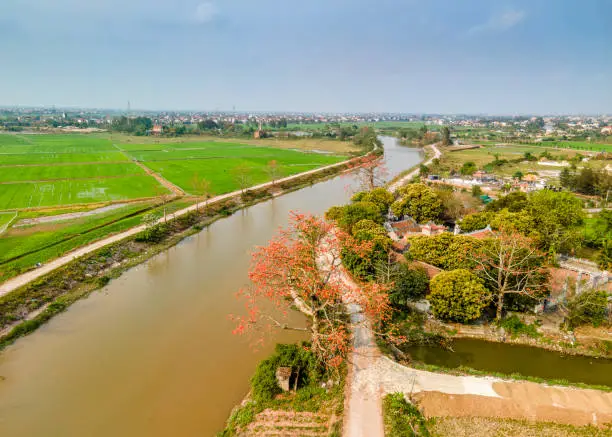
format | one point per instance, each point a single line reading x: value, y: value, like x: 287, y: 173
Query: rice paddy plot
x: 216, y: 150
x: 31, y: 195
x: 220, y: 171
x: 75, y: 171
x: 60, y: 158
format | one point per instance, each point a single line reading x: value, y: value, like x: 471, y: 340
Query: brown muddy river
x: 152, y: 354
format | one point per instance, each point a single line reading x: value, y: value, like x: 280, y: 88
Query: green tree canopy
x: 458, y: 295
x: 419, y: 202
x: 409, y: 283
x: 378, y: 196
x: 468, y: 168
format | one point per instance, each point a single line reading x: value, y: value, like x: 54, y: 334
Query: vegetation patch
x: 402, y: 418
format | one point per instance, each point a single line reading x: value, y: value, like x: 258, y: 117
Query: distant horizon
x: 286, y: 112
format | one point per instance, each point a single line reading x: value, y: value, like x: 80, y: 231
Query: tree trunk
x: 500, y: 306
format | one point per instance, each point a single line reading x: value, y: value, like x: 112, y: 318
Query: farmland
x: 47, y: 175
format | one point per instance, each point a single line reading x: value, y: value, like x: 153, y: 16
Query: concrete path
x: 402, y: 181
x: 21, y: 280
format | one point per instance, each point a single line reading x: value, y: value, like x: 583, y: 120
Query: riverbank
x: 431, y: 152
x: 27, y: 303
x: 548, y: 337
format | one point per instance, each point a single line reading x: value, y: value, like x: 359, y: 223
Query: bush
x: 295, y: 356
x: 515, y: 327
x: 403, y: 419
x: 458, y: 295
x: 409, y: 284
x: 588, y: 308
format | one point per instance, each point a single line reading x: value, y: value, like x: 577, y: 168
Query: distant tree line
x: 588, y: 181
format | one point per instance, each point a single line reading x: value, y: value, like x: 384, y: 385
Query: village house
x: 157, y: 129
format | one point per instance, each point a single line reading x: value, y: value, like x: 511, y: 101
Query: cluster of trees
x: 598, y: 236
x: 553, y: 220
x: 589, y: 181
x: 503, y: 272
x: 366, y: 139
x: 134, y: 126
x: 421, y: 136
x: 439, y: 204
x: 374, y: 262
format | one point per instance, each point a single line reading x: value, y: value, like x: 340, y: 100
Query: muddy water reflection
x: 152, y: 354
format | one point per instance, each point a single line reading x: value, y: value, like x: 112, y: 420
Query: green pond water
x: 510, y: 358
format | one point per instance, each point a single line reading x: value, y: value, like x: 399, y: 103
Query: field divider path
x: 23, y: 279
x: 177, y: 191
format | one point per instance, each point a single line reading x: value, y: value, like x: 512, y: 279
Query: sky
x: 408, y: 56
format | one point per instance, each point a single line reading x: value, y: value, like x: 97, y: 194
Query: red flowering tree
x: 371, y: 171
x: 300, y: 269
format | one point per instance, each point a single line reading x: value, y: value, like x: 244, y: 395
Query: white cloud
x: 206, y: 12
x: 499, y: 22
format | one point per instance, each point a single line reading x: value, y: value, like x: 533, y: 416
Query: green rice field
x: 70, y: 192
x: 46, y: 175
x: 73, y: 169
x: 76, y: 171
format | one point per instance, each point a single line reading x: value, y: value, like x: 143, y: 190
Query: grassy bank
x: 314, y: 406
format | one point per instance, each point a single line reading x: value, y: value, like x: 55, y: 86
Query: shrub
x: 588, y: 308
x: 403, y: 419
x: 515, y: 327
x: 409, y: 284
x: 295, y: 356
x: 458, y: 295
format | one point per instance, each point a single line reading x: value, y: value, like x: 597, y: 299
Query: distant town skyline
x: 440, y: 57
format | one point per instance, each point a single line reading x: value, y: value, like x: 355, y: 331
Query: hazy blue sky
x: 523, y: 56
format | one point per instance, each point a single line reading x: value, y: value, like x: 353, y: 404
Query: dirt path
x: 397, y: 184
x: 177, y: 191
x: 68, y: 216
x: 363, y: 403
x: 19, y: 281
x: 166, y: 183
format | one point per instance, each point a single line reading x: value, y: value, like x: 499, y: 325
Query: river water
x: 152, y: 354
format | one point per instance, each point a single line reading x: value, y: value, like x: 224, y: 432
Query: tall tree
x: 446, y: 139
x: 371, y: 172
x: 202, y: 189
x: 242, y: 177
x: 510, y: 265
x: 300, y: 269
x: 272, y: 170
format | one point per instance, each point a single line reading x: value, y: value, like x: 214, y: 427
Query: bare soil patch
x: 493, y: 427
x: 530, y: 401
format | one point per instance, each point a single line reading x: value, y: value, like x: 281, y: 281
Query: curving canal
x: 152, y: 354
